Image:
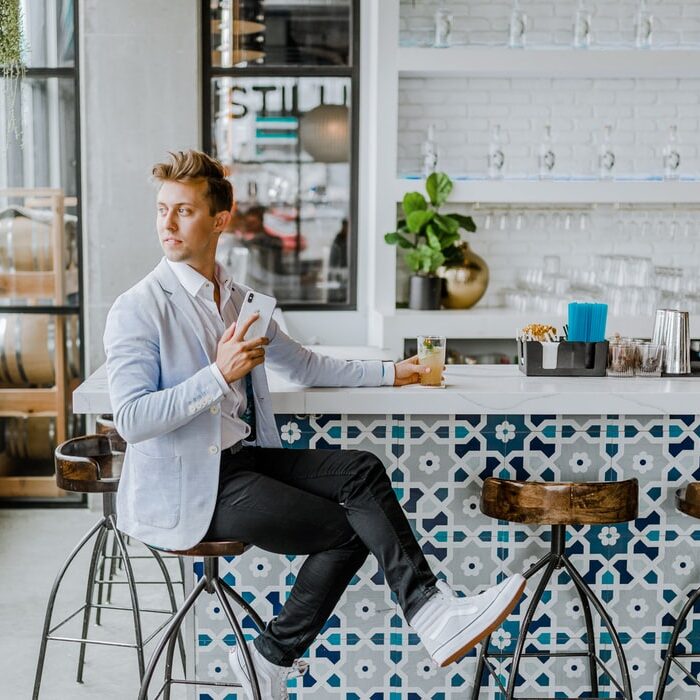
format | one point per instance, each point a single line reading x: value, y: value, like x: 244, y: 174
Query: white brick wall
x: 486, y: 22
x: 464, y: 109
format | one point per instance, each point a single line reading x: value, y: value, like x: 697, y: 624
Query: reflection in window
x: 281, y: 99
x: 46, y: 155
x: 280, y: 33
x: 48, y: 28
x: 287, y: 144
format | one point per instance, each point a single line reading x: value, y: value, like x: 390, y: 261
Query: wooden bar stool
x: 688, y: 502
x: 559, y: 505
x: 212, y: 583
x: 88, y: 465
x: 104, y: 425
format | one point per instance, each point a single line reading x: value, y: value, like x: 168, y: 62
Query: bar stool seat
x: 688, y: 502
x: 559, y: 504
x: 89, y: 465
x: 212, y: 583
x: 688, y: 499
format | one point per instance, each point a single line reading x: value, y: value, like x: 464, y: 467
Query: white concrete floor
x: 33, y: 545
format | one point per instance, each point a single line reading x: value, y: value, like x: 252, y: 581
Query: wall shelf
x: 482, y: 62
x: 564, y: 191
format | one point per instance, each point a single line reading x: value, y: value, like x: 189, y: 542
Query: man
x: 204, y: 460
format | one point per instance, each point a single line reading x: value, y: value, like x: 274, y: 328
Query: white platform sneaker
x: 449, y: 626
x: 272, y: 679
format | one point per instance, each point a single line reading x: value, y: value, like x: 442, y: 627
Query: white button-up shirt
x: 233, y: 428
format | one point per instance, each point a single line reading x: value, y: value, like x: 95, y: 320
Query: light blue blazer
x: 166, y: 404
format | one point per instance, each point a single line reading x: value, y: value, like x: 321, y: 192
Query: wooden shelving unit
x: 51, y: 402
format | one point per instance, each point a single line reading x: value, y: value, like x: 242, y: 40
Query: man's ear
x: 221, y: 221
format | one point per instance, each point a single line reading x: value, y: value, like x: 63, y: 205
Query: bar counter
x: 438, y: 445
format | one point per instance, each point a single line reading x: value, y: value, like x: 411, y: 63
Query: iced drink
x: 431, y: 353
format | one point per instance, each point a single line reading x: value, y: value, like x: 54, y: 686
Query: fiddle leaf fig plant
x: 12, y: 46
x: 430, y: 238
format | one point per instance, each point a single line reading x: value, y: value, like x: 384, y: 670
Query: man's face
x: 186, y: 229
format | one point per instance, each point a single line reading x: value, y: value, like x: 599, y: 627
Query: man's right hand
x: 235, y: 357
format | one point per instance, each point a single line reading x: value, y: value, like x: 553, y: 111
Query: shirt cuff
x: 388, y: 373
x: 225, y: 388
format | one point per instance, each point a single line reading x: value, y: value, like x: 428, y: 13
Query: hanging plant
x: 11, y: 52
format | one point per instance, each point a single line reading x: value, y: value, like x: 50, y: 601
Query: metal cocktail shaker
x: 672, y: 329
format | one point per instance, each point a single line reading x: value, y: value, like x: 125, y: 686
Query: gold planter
x: 465, y: 282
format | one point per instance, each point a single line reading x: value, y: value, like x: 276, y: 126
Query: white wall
x: 139, y: 90
x: 641, y: 111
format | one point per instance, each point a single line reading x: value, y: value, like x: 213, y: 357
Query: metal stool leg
x: 240, y: 638
x: 244, y: 604
x: 132, y: 591
x: 101, y: 576
x: 180, y: 561
x: 165, y: 638
x: 113, y: 568
x: 527, y: 620
x: 600, y: 609
x: 481, y: 663
x: 171, y: 595
x: 99, y: 542
x: 52, y: 599
x: 689, y: 605
x: 175, y: 634
x: 590, y: 633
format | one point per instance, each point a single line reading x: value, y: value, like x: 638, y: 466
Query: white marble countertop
x: 477, y: 389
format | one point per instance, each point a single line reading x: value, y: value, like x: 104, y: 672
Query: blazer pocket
x: 157, y: 492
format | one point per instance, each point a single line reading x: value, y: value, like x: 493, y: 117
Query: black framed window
x: 41, y: 154
x: 43, y: 149
x: 281, y: 89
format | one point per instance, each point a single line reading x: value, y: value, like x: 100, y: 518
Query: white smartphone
x: 255, y: 302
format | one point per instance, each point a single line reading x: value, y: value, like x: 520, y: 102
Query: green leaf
x: 416, y: 220
x: 465, y: 222
x: 414, y: 259
x: 449, y: 239
x: 396, y: 238
x: 413, y: 201
x: 436, y: 259
x: 433, y: 240
x: 438, y: 187
x: 453, y: 255
x: 391, y: 238
x: 447, y: 223
x: 428, y: 259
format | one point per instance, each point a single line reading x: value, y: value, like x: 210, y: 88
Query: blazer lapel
x: 185, y: 307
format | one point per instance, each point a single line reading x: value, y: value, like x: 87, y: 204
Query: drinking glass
x: 582, y: 26
x: 431, y: 353
x: 517, y: 26
x: 622, y: 360
x: 649, y: 356
x: 443, y: 28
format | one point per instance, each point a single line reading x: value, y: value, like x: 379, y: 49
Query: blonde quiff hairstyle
x: 196, y: 166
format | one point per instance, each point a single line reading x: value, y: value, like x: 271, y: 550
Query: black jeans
x: 333, y: 505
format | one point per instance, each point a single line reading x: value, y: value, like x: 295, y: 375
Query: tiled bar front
x: 643, y: 570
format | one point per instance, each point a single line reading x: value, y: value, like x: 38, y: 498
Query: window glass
x: 45, y: 153
x: 286, y: 142
x: 280, y: 33
x: 49, y: 34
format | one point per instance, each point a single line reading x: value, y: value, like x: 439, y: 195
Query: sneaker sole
x: 466, y: 648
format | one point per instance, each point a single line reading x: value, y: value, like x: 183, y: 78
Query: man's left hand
x: 408, y: 371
